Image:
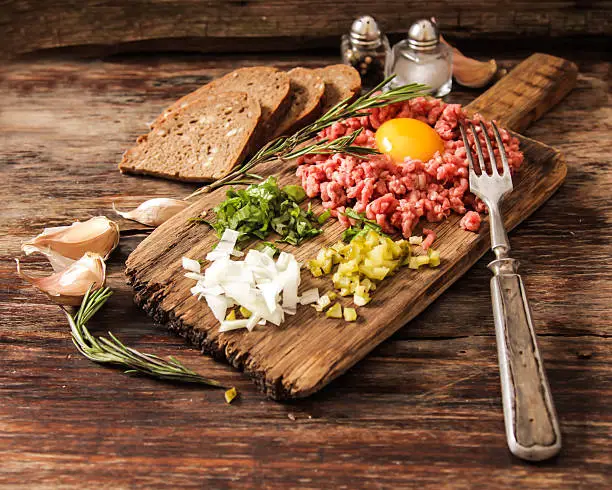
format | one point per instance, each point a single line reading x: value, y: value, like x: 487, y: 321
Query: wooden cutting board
x: 309, y: 350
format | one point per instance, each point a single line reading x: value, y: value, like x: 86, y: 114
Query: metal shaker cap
x: 423, y: 34
x: 365, y: 32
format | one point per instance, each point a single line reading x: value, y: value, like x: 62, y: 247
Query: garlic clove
x: 470, y: 72
x: 154, y: 211
x: 64, y: 244
x: 70, y: 285
x: 473, y: 73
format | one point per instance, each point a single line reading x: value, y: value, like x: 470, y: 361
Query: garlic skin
x: 154, y: 211
x: 473, y: 73
x: 69, y: 286
x: 470, y: 72
x: 64, y: 244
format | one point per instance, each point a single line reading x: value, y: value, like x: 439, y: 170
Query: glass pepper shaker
x: 365, y: 48
x: 422, y: 58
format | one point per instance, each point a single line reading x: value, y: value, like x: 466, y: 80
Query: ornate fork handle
x: 532, y: 428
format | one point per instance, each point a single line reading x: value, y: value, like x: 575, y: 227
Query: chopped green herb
x: 295, y: 192
x: 261, y: 246
x: 362, y: 225
x: 262, y: 208
x: 324, y: 216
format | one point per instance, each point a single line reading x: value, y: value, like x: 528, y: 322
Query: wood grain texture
x: 536, y: 85
x: 422, y: 410
x: 214, y: 25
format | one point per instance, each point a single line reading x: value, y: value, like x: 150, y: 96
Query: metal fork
x: 532, y: 428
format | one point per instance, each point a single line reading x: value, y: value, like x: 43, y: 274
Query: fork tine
x: 492, y: 161
x: 468, y: 150
x: 481, y: 160
x: 502, y: 151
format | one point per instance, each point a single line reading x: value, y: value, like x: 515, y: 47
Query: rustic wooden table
x: 424, y: 409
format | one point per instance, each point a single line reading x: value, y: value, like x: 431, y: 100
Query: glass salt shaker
x: 422, y: 58
x: 366, y: 48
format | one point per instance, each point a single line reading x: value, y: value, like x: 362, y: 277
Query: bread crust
x: 341, y: 82
x: 307, y: 90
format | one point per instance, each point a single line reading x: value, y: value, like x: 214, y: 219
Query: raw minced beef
x: 397, y: 196
x: 470, y: 221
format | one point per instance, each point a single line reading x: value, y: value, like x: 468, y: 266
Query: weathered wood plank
x: 423, y: 409
x: 535, y: 87
x: 214, y: 25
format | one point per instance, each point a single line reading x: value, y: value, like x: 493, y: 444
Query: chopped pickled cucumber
x: 368, y: 258
x: 418, y: 261
x: 244, y: 312
x: 230, y: 395
x: 361, y: 297
x: 323, y: 302
x: 350, y: 315
x: 335, y: 311
x: 434, y: 257
x: 231, y: 315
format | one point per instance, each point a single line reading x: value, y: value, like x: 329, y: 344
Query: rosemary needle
x: 286, y: 147
x: 113, y: 351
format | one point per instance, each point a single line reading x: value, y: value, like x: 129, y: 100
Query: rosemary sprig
x: 342, y: 144
x: 286, y: 147
x: 113, y: 351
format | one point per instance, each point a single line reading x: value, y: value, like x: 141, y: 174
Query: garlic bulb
x: 470, y: 72
x: 70, y: 285
x: 154, y: 211
x: 64, y: 244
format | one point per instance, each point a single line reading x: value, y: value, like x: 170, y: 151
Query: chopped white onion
x: 267, y: 288
x: 291, y: 282
x: 218, y: 305
x: 226, y: 245
x: 191, y: 265
x: 195, y: 276
x: 228, y: 325
x: 253, y: 321
x: 270, y: 292
x: 269, y: 251
x: 283, y: 260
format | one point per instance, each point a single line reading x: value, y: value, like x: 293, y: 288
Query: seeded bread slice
x: 306, y: 100
x: 199, y: 141
x: 341, y: 82
x: 267, y: 85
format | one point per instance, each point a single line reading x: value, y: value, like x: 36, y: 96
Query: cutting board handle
x: 527, y: 92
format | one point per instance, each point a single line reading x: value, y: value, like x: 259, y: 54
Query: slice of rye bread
x: 341, y: 82
x: 199, y: 142
x: 268, y: 85
x: 306, y: 100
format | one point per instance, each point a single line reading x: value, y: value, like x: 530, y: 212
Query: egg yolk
x: 408, y: 138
